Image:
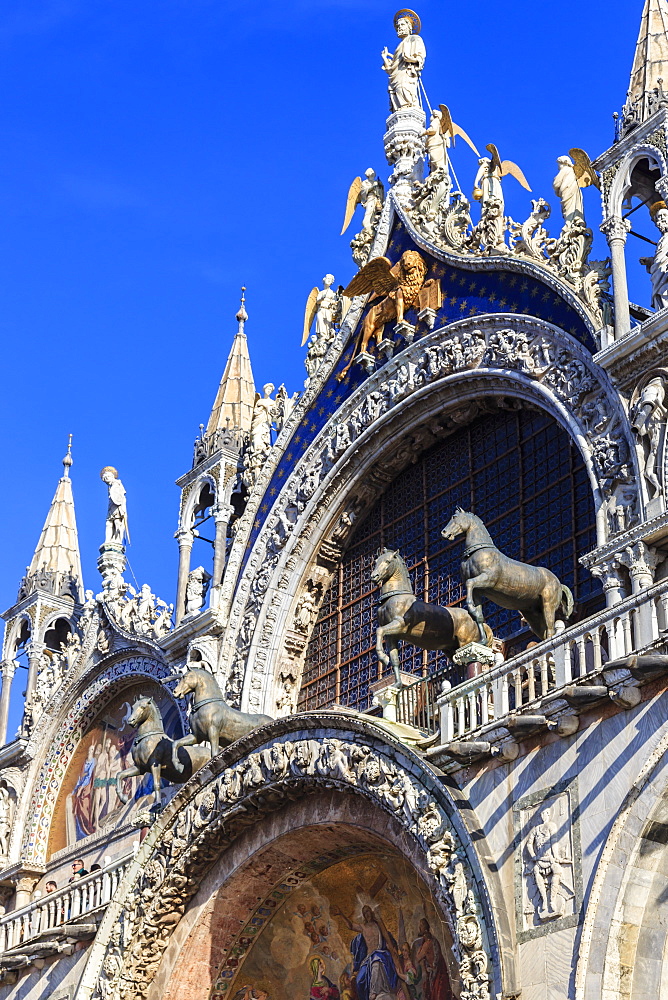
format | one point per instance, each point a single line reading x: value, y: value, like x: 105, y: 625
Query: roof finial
x: 67, y: 461
x: 242, y: 315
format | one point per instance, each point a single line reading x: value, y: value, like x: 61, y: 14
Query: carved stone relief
x: 547, y: 862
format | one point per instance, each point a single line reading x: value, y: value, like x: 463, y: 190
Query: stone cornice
x: 626, y: 359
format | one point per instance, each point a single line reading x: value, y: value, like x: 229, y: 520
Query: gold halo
x: 656, y: 208
x: 412, y: 17
x: 109, y: 468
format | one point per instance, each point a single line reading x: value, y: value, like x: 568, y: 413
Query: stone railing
x: 528, y: 678
x: 524, y: 681
x: 56, y: 910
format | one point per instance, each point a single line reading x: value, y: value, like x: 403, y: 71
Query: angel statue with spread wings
x: 441, y: 134
x: 327, y: 308
x: 370, y: 194
x: 575, y: 172
x: 488, y: 179
x: 397, y: 287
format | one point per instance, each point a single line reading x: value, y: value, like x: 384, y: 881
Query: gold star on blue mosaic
x: 281, y: 473
x: 492, y: 297
x: 502, y: 303
x: 330, y: 392
x: 463, y: 305
x: 534, y: 292
x: 256, y: 523
x: 573, y: 330
x: 273, y: 491
x: 321, y: 410
x: 472, y: 287
x: 524, y: 287
x: 473, y: 310
x: 546, y: 297
x: 289, y: 456
x: 513, y: 281
x: 462, y: 280
x: 338, y: 399
x: 453, y: 300
x: 264, y: 508
x: 297, y: 439
x: 482, y: 292
x: 313, y: 427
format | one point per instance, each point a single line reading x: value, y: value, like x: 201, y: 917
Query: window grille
x: 520, y: 472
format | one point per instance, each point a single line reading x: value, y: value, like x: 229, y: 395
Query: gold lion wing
x: 377, y: 276
x: 584, y: 170
x: 352, y: 202
x: 309, y: 313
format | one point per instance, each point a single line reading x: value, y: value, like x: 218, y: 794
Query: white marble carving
x: 404, y: 67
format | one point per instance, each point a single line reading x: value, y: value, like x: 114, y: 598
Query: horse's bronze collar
x: 476, y: 548
x: 158, y: 732
x: 395, y: 593
x: 207, y: 701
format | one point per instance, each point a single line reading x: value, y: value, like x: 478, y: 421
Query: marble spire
x: 235, y: 399
x: 56, y: 564
x: 651, y: 59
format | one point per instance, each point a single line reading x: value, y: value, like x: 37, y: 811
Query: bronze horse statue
x: 211, y: 718
x: 401, y: 616
x: 533, y: 590
x: 153, y: 750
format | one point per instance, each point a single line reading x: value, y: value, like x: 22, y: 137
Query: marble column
x: 616, y: 230
x: 221, y: 517
x: 613, y: 586
x: 34, y: 651
x: 8, y: 671
x: 642, y: 560
x: 184, y: 537
x: 24, y: 890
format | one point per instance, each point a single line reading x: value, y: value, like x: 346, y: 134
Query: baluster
x: 627, y: 631
x: 489, y: 702
x: 447, y: 721
x: 531, y: 680
x: 581, y: 643
x: 612, y: 639
x: 664, y: 609
x: 461, y: 717
x: 473, y: 708
x: 544, y: 674
x: 517, y: 682
x: 655, y: 618
x: 596, y: 641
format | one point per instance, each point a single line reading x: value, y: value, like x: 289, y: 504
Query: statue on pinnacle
x: 404, y: 67
x: 116, y: 529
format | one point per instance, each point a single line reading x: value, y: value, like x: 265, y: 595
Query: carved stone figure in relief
x: 657, y: 266
x: 117, y: 513
x: 5, y: 819
x: 648, y: 420
x: 404, y: 67
x: 547, y: 866
x: 196, y: 589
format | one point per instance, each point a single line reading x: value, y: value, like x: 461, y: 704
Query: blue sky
x: 158, y: 154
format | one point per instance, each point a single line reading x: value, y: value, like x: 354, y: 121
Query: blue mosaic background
x: 465, y: 294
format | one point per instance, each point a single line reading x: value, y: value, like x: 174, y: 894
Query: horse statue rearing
x: 533, y: 590
x: 153, y: 750
x: 402, y: 616
x: 211, y: 718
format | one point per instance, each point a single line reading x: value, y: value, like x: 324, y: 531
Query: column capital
x: 184, y: 536
x: 223, y: 512
x: 641, y: 561
x: 8, y: 668
x: 616, y: 228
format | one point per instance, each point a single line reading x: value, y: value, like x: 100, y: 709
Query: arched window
x: 521, y: 473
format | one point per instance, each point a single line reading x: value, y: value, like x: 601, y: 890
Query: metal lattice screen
x: 520, y: 472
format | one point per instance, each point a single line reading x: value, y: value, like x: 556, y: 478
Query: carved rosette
x: 207, y: 816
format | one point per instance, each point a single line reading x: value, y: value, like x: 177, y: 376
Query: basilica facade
x: 405, y: 737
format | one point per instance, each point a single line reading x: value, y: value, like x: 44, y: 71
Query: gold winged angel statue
x: 575, y: 172
x: 396, y: 285
x: 451, y: 131
x: 370, y: 194
x: 488, y: 179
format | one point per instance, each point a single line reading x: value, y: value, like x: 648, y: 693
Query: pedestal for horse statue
x: 475, y: 652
